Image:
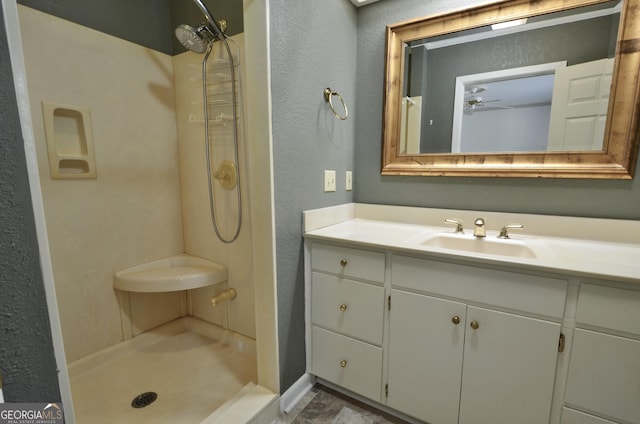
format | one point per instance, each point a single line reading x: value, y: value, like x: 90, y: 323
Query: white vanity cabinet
x: 603, y: 384
x: 347, y: 313
x: 444, y: 328
x: 472, y: 345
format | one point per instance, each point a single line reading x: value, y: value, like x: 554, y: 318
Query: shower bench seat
x: 177, y: 273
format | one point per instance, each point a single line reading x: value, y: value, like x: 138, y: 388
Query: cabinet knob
x: 343, y: 262
x: 343, y: 363
x: 455, y: 320
x: 475, y: 325
x: 343, y: 307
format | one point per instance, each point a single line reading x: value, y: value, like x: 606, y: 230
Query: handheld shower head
x: 195, y: 39
x: 198, y: 39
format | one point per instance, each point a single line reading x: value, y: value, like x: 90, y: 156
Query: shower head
x: 195, y: 39
x: 198, y: 39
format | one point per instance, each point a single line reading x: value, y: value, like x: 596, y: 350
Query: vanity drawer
x: 610, y: 308
x: 349, y: 363
x: 604, y: 375
x: 347, y: 262
x: 526, y: 293
x: 349, y: 307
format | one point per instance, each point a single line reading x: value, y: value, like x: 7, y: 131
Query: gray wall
x: 591, y: 198
x: 27, y: 362
x: 313, y: 45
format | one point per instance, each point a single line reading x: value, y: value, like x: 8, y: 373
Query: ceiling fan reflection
x: 474, y: 103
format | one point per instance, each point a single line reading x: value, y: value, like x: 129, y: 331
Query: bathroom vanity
x: 540, y: 327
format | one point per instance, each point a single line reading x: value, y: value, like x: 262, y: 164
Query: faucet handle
x: 504, y: 232
x: 458, y: 224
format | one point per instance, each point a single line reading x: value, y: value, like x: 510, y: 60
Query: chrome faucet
x: 479, y: 230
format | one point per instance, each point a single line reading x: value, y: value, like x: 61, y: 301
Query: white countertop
x: 586, y: 247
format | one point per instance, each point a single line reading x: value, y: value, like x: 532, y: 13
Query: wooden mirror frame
x: 615, y: 161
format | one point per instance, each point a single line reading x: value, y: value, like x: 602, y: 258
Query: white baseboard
x: 292, y: 396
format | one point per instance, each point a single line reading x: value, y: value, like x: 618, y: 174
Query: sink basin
x: 489, y: 245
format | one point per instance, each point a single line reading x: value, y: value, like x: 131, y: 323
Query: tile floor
x: 323, y: 405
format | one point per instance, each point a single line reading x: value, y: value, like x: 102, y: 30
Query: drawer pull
x: 343, y: 262
x: 475, y: 325
x: 343, y: 363
x: 455, y: 320
x: 343, y: 307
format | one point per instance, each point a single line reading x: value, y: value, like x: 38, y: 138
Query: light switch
x: 329, y: 180
x: 348, y: 184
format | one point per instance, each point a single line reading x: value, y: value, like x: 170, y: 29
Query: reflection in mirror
x: 532, y: 85
x: 555, y: 94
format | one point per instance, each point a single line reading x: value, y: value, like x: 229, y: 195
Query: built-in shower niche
x: 69, y: 141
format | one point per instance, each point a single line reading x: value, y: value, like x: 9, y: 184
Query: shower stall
x: 143, y: 159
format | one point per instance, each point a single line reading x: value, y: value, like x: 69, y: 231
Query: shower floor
x: 193, y: 367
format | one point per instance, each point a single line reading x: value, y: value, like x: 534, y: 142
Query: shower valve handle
x: 227, y: 175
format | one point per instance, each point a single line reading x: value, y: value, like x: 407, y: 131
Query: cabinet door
x: 509, y: 368
x: 425, y: 356
x: 604, y: 375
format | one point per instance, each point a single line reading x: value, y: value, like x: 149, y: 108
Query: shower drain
x: 144, y: 399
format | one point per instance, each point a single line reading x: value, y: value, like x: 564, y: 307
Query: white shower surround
x: 258, y: 405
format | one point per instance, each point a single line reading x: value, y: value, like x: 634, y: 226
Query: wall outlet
x: 348, y: 181
x: 329, y: 180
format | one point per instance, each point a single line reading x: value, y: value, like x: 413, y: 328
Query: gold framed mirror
x: 616, y: 126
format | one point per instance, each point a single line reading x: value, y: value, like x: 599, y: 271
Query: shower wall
x: 199, y: 237
x: 130, y: 213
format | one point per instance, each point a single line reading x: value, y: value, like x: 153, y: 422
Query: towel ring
x: 328, y: 95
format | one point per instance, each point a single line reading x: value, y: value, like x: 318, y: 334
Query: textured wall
x: 592, y: 198
x: 27, y: 362
x: 313, y: 45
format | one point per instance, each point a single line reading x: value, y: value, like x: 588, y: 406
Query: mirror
x: 552, y: 95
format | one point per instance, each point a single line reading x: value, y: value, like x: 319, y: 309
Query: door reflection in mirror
x: 504, y: 111
x: 576, y: 37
